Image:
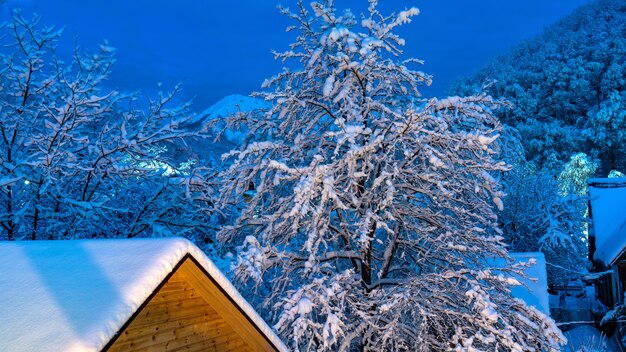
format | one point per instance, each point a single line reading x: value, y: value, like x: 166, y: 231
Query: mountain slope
x: 567, y: 87
x: 230, y: 105
x: 210, y: 152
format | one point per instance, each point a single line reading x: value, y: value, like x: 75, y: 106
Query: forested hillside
x: 566, y: 88
x: 566, y: 105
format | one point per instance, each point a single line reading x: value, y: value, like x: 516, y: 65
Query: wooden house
x: 122, y: 295
x: 607, y: 237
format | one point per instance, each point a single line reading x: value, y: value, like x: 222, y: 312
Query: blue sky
x: 216, y: 48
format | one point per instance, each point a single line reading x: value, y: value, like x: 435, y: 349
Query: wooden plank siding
x: 225, y: 307
x: 190, y: 313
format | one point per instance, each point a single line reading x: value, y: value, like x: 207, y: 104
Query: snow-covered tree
x: 606, y: 127
x: 76, y: 161
x: 367, y: 212
x: 575, y: 173
x: 539, y: 218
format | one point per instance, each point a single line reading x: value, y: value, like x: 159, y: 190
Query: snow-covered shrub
x: 538, y: 218
x: 373, y: 210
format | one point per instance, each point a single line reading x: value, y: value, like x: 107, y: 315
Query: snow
x: 328, y: 85
x: 75, y: 295
x: 498, y: 202
x: 435, y: 161
x: 305, y: 306
x: 485, y: 140
x: 338, y: 33
x: 405, y: 16
x: 332, y: 328
x: 228, y: 106
x: 7, y: 180
x: 608, y: 209
x: 315, y: 57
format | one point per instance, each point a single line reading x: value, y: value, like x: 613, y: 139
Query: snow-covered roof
x: 608, y: 210
x: 76, y: 295
x: 534, y: 289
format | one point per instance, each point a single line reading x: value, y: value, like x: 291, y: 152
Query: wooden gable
x: 189, y: 311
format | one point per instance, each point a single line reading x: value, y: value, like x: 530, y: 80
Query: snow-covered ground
x: 586, y: 338
x: 575, y: 311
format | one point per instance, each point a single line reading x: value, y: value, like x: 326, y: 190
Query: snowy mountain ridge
x: 229, y: 105
x: 208, y: 149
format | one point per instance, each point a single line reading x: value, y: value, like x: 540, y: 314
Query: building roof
x: 608, y: 211
x: 76, y: 295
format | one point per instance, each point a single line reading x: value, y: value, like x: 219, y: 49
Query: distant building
x: 607, y: 237
x: 122, y: 295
